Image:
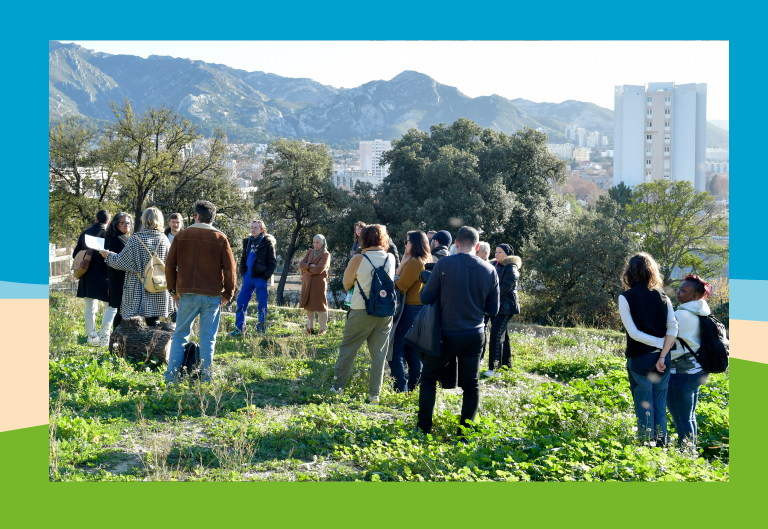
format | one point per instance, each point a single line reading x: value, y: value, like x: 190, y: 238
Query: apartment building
x: 660, y: 132
x: 370, y: 154
x: 564, y: 151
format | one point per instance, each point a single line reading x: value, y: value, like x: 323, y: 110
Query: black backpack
x: 382, y: 302
x: 191, y: 364
x: 713, y: 353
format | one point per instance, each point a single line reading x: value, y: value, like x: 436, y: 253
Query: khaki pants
x: 322, y: 320
x: 360, y: 328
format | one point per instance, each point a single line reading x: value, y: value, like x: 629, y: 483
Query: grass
x: 563, y: 413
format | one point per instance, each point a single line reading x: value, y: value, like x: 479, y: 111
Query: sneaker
x: 373, y: 400
x: 309, y: 331
x: 489, y: 373
x: 236, y: 333
x: 336, y: 391
x: 93, y: 340
x: 104, y: 341
x: 321, y: 332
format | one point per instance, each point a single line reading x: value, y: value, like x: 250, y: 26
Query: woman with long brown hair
x: 649, y: 319
x: 416, y: 255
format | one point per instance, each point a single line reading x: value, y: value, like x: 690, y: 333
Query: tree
x: 621, y: 194
x: 154, y: 149
x: 675, y: 224
x: 81, y: 177
x: 464, y: 174
x: 296, y: 189
x: 579, y: 263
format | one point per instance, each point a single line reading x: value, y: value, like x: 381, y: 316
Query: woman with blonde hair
x: 133, y: 259
x: 649, y: 320
x: 314, y: 277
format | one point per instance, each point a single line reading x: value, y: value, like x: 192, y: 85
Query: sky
x: 541, y: 71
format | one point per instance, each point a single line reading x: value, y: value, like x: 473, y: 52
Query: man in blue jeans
x: 201, y: 275
x: 468, y: 288
x: 257, y: 264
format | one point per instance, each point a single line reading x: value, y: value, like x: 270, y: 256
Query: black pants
x: 466, y: 349
x: 486, y: 318
x: 151, y: 321
x: 499, y: 350
x: 117, y: 320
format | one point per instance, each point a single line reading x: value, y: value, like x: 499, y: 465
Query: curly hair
x: 642, y: 268
x: 112, y: 229
x: 375, y: 235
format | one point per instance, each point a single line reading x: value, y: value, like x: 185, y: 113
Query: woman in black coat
x: 508, y: 268
x: 118, y: 232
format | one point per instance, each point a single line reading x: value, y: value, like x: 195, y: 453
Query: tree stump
x: 135, y: 340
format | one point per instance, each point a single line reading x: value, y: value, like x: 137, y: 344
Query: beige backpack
x: 154, y: 273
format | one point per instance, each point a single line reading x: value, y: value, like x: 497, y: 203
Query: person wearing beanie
x: 439, y: 245
x: 508, y: 269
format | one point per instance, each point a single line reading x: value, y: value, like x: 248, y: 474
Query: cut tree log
x: 133, y: 339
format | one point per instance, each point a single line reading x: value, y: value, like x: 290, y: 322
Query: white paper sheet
x: 96, y: 243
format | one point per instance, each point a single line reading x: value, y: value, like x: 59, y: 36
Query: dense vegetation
x: 562, y: 413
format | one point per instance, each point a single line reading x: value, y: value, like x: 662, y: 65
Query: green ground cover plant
x: 562, y: 413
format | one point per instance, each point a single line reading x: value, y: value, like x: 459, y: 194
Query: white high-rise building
x: 370, y: 154
x: 660, y: 132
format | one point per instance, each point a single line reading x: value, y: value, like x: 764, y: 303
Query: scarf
x: 322, y: 240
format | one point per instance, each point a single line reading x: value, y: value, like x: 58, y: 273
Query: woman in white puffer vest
x: 686, y: 373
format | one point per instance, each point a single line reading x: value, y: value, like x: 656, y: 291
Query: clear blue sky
x: 542, y: 71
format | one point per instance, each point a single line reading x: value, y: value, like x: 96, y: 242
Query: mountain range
x: 259, y: 106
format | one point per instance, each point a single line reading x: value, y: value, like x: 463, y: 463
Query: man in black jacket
x: 257, y: 264
x: 439, y: 245
x: 93, y: 286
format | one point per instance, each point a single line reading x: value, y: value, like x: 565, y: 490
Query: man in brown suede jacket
x: 201, y: 275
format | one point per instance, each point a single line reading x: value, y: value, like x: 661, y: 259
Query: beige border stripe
x: 749, y: 340
x: 23, y: 363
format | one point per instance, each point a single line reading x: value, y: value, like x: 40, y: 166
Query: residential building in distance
x: 660, y: 132
x: 716, y: 167
x: 608, y: 153
x: 370, y: 154
x: 577, y: 134
x: 347, y: 178
x: 564, y: 151
x: 717, y: 155
x: 581, y: 155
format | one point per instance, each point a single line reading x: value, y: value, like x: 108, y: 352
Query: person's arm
x: 79, y: 246
x: 351, y: 272
x: 271, y: 262
x: 669, y: 339
x: 510, y: 281
x: 409, y: 274
x: 432, y: 288
x: 320, y: 267
x: 125, y: 260
x: 493, y: 299
x: 304, y: 264
x: 229, y: 272
x: 243, y: 258
x: 633, y: 331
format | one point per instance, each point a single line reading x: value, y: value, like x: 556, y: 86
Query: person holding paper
x: 93, y: 286
x: 118, y: 232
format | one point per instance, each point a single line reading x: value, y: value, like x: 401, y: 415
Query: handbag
x: 81, y: 262
x: 425, y: 335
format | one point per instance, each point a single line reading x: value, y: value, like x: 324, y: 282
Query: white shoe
x: 489, y: 373
x: 93, y: 340
x: 104, y: 341
x: 337, y: 391
x: 373, y: 400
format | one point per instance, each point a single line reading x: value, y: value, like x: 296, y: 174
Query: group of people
x: 472, y: 292
x: 469, y: 290
x: 662, y: 343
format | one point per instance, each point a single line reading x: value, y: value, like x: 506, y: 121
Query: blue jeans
x: 650, y: 396
x: 244, y: 298
x: 403, y: 354
x: 209, y: 309
x: 681, y: 400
